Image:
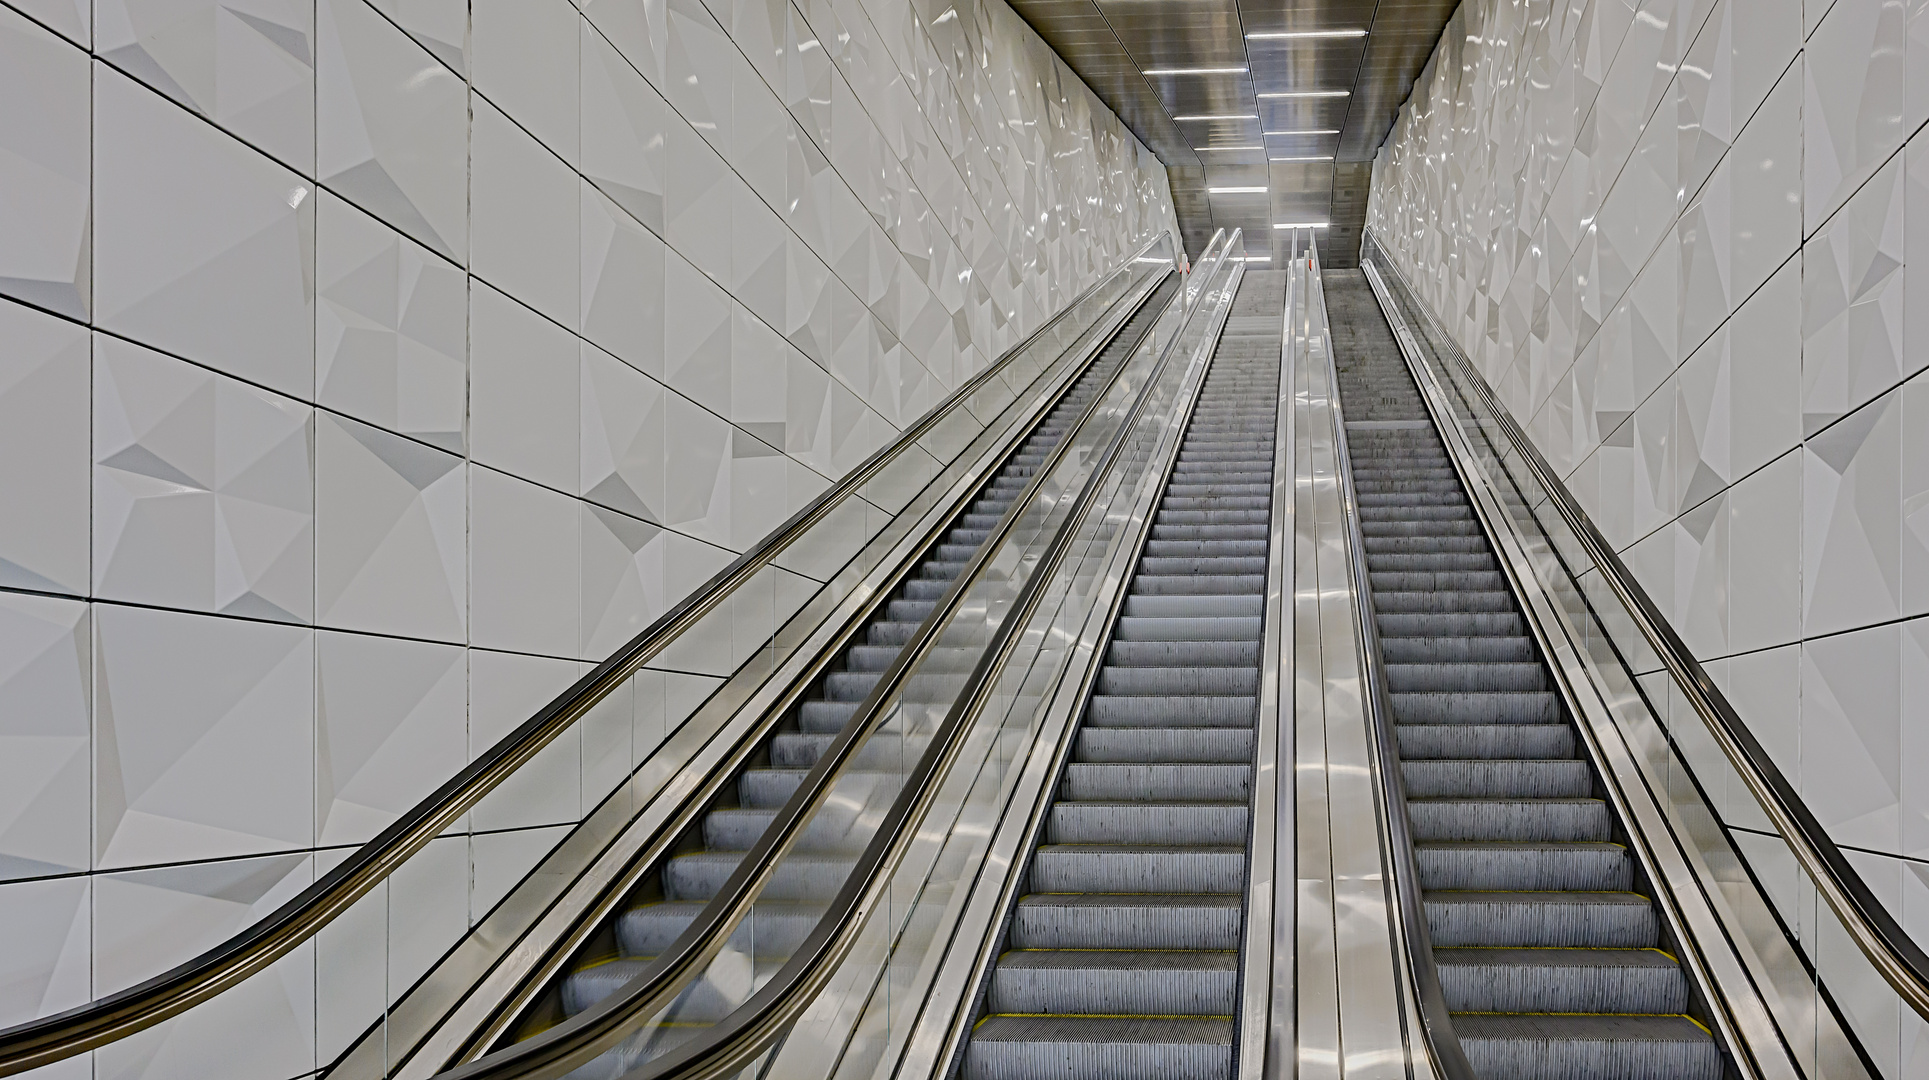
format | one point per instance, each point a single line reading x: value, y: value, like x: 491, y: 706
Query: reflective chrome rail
x: 172, y: 992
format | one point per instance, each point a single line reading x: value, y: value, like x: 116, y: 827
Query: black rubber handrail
x: 1895, y: 955
x: 582, y: 1037
x: 172, y: 992
x: 769, y: 1012
x: 1436, y: 1022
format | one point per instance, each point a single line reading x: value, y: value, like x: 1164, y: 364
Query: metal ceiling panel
x: 1111, y: 43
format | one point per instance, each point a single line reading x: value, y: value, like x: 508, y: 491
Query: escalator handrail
x: 1436, y: 1024
x: 770, y: 1011
x: 590, y: 1032
x: 125, y: 1012
x: 1895, y: 955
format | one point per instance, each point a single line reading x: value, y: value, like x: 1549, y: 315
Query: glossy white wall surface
x: 370, y: 368
x: 1687, y: 242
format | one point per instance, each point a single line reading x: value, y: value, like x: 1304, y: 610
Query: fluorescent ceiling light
x: 1229, y: 148
x: 1308, y: 94
x: 1303, y: 35
x: 1236, y: 191
x: 1252, y: 258
x: 1308, y: 131
x: 1300, y: 225
x: 1321, y: 157
x: 1241, y: 116
x: 1195, y: 71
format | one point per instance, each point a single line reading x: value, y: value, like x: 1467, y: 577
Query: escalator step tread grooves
x: 1550, y: 963
x: 807, y: 880
x: 1123, y: 955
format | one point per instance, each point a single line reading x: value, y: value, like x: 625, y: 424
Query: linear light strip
x: 1236, y: 190
x: 1308, y: 131
x: 1195, y: 71
x: 1308, y: 94
x: 1242, y: 116
x: 1319, y: 157
x: 1229, y: 148
x: 1304, y: 35
x: 1300, y: 225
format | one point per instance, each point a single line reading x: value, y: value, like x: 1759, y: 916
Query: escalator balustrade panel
x: 1122, y: 953
x: 805, y: 883
x: 1551, y: 962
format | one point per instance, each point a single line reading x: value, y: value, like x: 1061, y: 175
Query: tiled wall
x: 368, y: 367
x: 1687, y: 241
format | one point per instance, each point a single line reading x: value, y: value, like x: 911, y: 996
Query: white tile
x: 623, y: 451
x: 391, y: 723
x: 625, y: 124
x: 44, y: 946
x: 1765, y: 371
x: 44, y: 451
x: 524, y: 561
x: 391, y: 329
x: 1853, y: 103
x: 698, y: 488
x: 1852, y: 735
x: 71, y: 19
x: 525, y: 62
x: 145, y: 921
x: 393, y: 124
x: 1852, y: 302
x: 500, y: 862
x: 696, y: 342
x: 504, y: 691
x: 622, y: 284
x: 203, y: 489
x: 203, y: 737
x: 46, y: 690
x: 522, y: 391
x: 247, y: 65
x: 44, y: 166
x: 1914, y: 756
x: 1765, y: 565
x: 523, y: 216
x: 442, y: 27
x: 203, y: 247
x: 391, y: 532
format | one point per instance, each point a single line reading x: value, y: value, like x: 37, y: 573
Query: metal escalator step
x: 1430, y: 741
x: 1122, y: 712
x: 1194, y: 607
x: 699, y: 875
x: 1587, y: 1047
x: 1114, y: 982
x: 1152, y: 744
x: 1523, y: 865
x: 1143, y: 822
x: 1464, y: 650
x: 1474, y: 778
x: 1547, y: 820
x: 1477, y: 707
x: 1545, y: 919
x: 1160, y: 782
x: 1190, y: 653
x: 1561, y: 980
x: 778, y: 929
x: 1147, y: 868
x: 1099, y: 1048
x: 1199, y: 585
x: 1178, y: 681
x: 1200, y: 628
x: 1126, y: 921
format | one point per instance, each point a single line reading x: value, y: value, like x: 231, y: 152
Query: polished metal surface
x: 1302, y: 120
x: 1786, y: 990
x: 819, y: 540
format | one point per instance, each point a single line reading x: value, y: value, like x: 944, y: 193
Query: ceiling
x: 1265, y: 112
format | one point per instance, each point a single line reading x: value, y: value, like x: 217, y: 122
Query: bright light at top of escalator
x: 1297, y: 35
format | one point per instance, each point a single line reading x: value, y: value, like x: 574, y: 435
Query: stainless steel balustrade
x: 1806, y: 973
x: 747, y: 623
x: 956, y: 752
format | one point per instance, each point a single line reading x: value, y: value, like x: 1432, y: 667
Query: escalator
x: 1122, y: 956
x: 665, y: 903
x: 1549, y: 949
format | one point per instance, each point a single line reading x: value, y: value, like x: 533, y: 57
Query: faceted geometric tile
x: 44, y: 169
x: 44, y: 411
x: 758, y: 492
x: 442, y: 26
x: 247, y: 65
x: 622, y: 431
x: 637, y: 31
x: 145, y: 921
x: 524, y: 216
x: 696, y: 342
x: 202, y: 246
x: 505, y: 690
x: 1852, y: 302
x: 622, y: 578
x: 1851, y: 734
x: 624, y: 121
x: 44, y: 721
x: 524, y: 55
x: 1853, y: 108
x: 391, y: 723
x: 204, y: 737
x: 391, y: 338
x: 1915, y: 741
x: 501, y: 861
x: 524, y: 551
x: 71, y: 19
x: 203, y: 489
x: 390, y: 538
x: 622, y: 284
x: 697, y: 495
x: 44, y: 947
x: 522, y: 391
x: 1851, y: 510
x: 1765, y: 556
x: 393, y: 127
